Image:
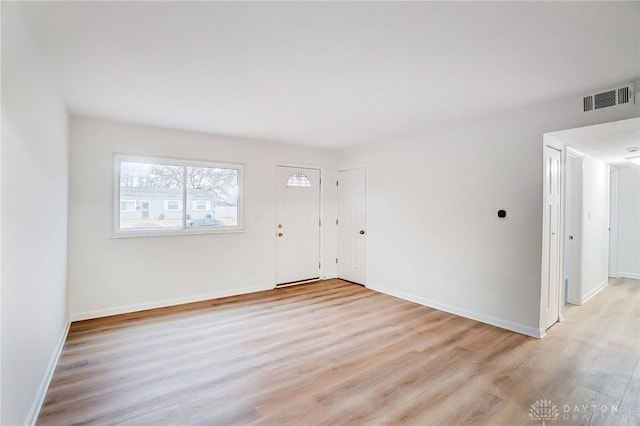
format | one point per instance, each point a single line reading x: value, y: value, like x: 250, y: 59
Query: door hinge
x: 319, y: 265
x: 336, y: 260
x: 320, y: 222
x: 336, y: 183
x: 336, y: 221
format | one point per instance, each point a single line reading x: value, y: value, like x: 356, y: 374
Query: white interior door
x: 298, y: 225
x: 352, y: 231
x: 551, y: 236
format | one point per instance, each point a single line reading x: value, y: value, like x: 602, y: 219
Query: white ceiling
x: 328, y: 73
x: 609, y: 142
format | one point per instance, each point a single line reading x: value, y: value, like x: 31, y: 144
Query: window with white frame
x: 201, y: 205
x: 180, y: 196
x: 127, y: 205
x: 172, y: 204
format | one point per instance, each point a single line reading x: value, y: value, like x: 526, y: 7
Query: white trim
x: 628, y: 275
x: 346, y: 169
x: 486, y: 319
x: 313, y: 280
x: 572, y: 152
x: 613, y: 222
x: 595, y: 291
x: 34, y: 412
x: 81, y: 316
x: 173, y: 161
x: 141, y: 233
x: 298, y: 165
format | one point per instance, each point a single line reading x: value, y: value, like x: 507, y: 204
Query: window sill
x: 175, y: 233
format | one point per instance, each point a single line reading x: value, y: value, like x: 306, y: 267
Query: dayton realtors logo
x: 543, y: 410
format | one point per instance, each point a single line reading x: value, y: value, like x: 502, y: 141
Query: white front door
x: 298, y: 225
x: 144, y: 210
x: 551, y: 236
x: 352, y: 231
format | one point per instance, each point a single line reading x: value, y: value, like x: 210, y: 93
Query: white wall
x: 629, y: 222
x: 34, y: 222
x: 595, y: 227
x: 443, y: 244
x: 108, y: 275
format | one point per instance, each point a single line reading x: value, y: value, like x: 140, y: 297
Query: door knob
x: 280, y: 234
x: 279, y: 226
x: 362, y: 232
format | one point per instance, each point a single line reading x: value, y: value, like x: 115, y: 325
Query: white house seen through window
x: 165, y: 196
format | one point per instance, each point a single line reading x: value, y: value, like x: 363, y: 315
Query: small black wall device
x: 502, y: 214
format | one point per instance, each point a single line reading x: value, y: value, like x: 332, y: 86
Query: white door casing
x: 613, y: 223
x: 297, y: 230
x: 352, y: 231
x: 573, y: 227
x: 551, y: 253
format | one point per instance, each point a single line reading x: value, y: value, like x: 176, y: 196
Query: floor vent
x: 609, y: 98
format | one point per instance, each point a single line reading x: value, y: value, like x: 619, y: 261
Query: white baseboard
x: 34, y: 412
x: 99, y: 313
x: 628, y: 275
x: 595, y: 291
x: 487, y: 319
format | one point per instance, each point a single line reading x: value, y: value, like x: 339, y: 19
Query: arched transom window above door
x: 298, y: 180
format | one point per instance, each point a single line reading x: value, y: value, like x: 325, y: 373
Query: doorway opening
x: 581, y: 247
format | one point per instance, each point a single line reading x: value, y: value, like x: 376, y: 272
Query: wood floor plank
x: 334, y: 353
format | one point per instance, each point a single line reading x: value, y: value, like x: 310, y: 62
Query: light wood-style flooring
x: 334, y: 353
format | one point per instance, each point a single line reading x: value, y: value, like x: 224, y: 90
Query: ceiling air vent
x: 605, y: 99
x: 623, y: 95
x: 609, y: 98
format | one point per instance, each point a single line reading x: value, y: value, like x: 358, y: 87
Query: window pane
x: 146, y: 190
x: 212, y: 197
x: 173, y: 204
x: 299, y: 180
x: 127, y: 205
